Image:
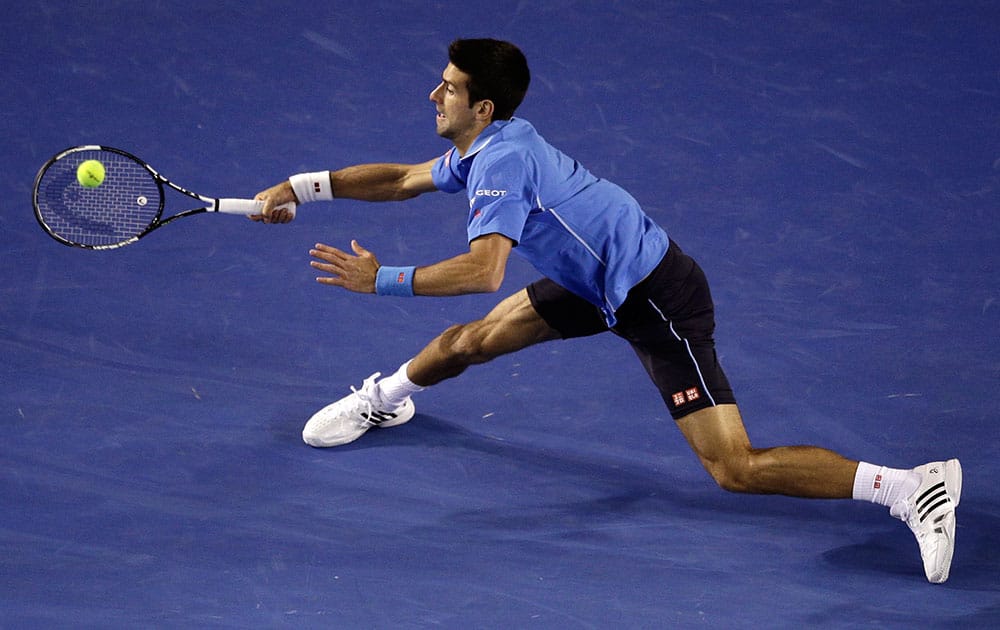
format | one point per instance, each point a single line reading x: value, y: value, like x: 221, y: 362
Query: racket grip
x: 248, y: 206
x: 239, y: 206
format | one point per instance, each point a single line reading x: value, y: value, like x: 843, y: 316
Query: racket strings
x: 119, y: 209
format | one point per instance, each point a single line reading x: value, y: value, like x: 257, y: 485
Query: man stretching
x: 607, y: 267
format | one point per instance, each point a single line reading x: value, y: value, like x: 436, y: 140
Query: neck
x: 465, y: 142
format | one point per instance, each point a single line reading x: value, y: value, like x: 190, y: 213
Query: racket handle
x: 239, y: 206
x: 248, y: 206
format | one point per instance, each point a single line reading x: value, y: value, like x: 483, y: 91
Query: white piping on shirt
x: 476, y: 150
x: 574, y: 234
x: 579, y: 239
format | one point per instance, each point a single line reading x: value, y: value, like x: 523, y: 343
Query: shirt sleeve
x: 446, y: 174
x: 500, y: 198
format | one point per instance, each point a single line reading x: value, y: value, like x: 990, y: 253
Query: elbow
x: 488, y: 279
x: 487, y: 262
x: 491, y: 281
x: 494, y: 284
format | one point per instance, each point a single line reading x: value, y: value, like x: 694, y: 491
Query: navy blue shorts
x: 669, y: 320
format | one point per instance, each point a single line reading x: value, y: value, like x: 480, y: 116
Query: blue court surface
x: 834, y: 167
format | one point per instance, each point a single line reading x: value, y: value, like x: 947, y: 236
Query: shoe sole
x: 952, y: 478
x: 954, y: 467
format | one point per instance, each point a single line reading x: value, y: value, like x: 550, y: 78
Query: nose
x: 435, y: 94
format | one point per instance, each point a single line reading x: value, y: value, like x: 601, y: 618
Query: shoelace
x: 366, y: 403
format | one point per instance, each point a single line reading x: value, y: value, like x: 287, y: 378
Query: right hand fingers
x: 283, y: 213
x: 279, y: 204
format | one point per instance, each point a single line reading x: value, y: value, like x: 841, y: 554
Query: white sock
x: 882, y: 485
x: 394, y: 389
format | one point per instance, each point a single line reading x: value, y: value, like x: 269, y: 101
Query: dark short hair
x: 497, y: 72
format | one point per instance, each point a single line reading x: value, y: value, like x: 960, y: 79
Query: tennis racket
x: 127, y: 205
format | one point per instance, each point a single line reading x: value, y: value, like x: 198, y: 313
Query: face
x: 457, y: 121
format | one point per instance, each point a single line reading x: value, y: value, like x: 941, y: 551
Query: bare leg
x: 719, y: 438
x: 511, y: 326
x: 716, y: 434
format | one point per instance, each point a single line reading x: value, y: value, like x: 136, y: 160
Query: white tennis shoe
x: 930, y: 513
x: 347, y: 419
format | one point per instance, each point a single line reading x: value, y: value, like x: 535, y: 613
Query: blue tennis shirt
x: 585, y: 233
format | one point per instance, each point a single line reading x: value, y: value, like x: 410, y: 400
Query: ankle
x: 883, y: 485
x: 396, y: 388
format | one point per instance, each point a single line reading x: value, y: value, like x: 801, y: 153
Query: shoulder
x: 517, y: 132
x: 515, y: 142
x: 448, y: 174
x: 501, y: 166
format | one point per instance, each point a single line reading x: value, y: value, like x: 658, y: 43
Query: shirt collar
x: 485, y: 137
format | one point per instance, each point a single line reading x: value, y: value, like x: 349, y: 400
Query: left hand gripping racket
x: 127, y: 205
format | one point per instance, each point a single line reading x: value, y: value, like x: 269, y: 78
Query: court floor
x: 835, y: 168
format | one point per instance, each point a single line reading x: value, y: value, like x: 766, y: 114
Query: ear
x: 484, y: 110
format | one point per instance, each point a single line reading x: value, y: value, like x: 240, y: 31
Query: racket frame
x: 211, y: 204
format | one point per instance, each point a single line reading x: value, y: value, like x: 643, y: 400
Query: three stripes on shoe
x: 378, y: 417
x: 932, y: 498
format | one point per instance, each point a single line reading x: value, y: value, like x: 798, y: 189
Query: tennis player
x: 606, y: 266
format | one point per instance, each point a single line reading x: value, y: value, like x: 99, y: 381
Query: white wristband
x: 312, y: 186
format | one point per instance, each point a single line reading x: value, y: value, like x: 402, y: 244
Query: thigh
x: 715, y: 433
x: 688, y: 375
x: 513, y: 324
x: 669, y: 319
x: 564, y: 311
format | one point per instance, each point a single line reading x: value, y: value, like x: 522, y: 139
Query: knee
x: 734, y: 473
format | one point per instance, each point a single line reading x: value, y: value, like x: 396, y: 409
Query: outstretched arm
x: 480, y: 270
x: 383, y: 182
x: 365, y: 182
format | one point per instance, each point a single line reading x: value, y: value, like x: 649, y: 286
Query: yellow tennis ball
x: 90, y: 174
